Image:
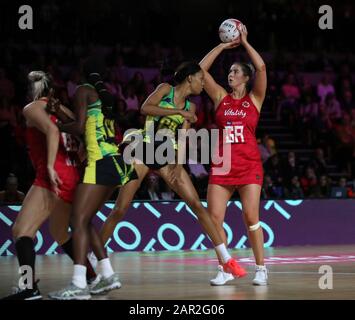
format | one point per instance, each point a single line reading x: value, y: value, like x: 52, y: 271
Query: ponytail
x: 94, y: 67
x: 107, y: 99
x: 40, y: 84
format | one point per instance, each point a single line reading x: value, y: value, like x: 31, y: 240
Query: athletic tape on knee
x: 254, y: 227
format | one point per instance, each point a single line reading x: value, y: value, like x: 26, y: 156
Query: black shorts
x: 109, y: 171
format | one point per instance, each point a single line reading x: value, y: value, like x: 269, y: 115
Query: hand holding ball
x: 228, y: 30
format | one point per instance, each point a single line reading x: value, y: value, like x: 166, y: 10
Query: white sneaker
x: 72, y: 292
x: 104, y: 285
x: 222, y: 277
x: 94, y: 282
x: 92, y: 259
x: 261, y: 277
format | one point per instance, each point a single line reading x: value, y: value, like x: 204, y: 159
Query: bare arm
x: 77, y: 127
x: 259, y: 89
x: 151, y: 105
x: 210, y: 57
x: 37, y: 117
x: 213, y: 89
x: 64, y: 114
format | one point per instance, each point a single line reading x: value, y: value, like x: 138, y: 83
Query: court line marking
x: 309, y: 272
x: 250, y: 271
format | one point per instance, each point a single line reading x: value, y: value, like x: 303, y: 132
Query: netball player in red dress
x: 53, y: 158
x: 237, y: 115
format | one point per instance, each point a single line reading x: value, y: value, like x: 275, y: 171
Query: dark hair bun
x: 107, y: 99
x: 184, y: 70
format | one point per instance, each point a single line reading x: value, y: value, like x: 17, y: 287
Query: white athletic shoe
x: 94, y: 282
x: 222, y: 277
x: 71, y: 292
x: 92, y: 259
x: 261, y: 277
x: 103, y: 285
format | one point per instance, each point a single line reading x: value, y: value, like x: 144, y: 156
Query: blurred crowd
x: 311, y: 91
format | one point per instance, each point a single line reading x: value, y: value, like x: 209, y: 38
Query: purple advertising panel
x: 152, y: 226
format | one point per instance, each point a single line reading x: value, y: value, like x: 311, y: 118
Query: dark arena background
x: 305, y: 135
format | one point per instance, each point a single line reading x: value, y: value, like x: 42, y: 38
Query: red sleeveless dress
x: 65, y: 162
x: 237, y: 120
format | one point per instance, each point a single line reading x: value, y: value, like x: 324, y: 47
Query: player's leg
x: 59, y: 222
x: 119, y: 173
x: 87, y: 201
x: 123, y: 201
x: 250, y: 199
x: 217, y: 199
x: 186, y: 190
x: 36, y: 208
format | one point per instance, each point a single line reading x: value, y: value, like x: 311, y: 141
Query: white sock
x: 79, y: 276
x: 104, y: 267
x: 223, y: 252
x: 93, y: 260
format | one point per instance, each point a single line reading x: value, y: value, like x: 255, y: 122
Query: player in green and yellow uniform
x: 105, y: 170
x: 104, y: 165
x: 168, y: 109
x: 166, y: 125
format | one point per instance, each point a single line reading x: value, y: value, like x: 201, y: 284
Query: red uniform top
x: 237, y: 120
x: 65, y: 163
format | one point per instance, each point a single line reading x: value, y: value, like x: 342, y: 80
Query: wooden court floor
x: 293, y: 274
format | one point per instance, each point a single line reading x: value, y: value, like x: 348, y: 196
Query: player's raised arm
x: 213, y: 89
x: 260, y: 83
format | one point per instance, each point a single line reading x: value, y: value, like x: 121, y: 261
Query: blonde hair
x: 40, y: 84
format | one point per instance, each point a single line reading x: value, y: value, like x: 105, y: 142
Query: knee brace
x: 254, y: 227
